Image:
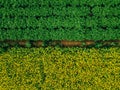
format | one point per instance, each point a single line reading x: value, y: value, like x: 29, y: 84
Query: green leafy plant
x: 1, y: 50
x: 28, y: 45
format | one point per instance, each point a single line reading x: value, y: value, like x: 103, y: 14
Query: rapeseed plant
x: 55, y: 69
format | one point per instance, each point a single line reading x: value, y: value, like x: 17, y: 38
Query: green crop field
x: 60, y: 69
x: 59, y: 19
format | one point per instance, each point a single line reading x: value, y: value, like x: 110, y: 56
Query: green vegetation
x: 60, y: 68
x: 59, y: 20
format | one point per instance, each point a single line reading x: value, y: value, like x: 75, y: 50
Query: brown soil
x: 22, y: 42
x: 117, y: 41
x: 64, y: 43
x: 38, y: 43
x: 10, y: 42
x: 71, y: 43
x: 109, y: 42
x: 54, y: 43
x: 89, y: 42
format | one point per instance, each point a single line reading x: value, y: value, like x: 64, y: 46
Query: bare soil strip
x: 63, y: 43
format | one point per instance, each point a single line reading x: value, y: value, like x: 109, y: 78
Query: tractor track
x: 62, y: 43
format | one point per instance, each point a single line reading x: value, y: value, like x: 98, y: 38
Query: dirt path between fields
x: 63, y: 43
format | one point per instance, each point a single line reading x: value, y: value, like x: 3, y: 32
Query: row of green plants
x: 60, y: 34
x: 58, y: 2
x: 53, y: 22
x: 60, y: 69
x: 58, y: 10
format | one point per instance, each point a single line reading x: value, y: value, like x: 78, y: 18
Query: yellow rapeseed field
x: 60, y: 69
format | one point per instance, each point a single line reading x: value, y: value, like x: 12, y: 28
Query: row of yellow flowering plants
x: 60, y: 69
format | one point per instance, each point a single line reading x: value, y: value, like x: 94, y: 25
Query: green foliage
x: 1, y: 50
x: 28, y: 44
x: 45, y: 19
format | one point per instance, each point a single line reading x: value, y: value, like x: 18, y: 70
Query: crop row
x: 58, y: 68
x: 62, y: 3
x: 51, y: 22
x: 72, y: 11
x: 60, y: 34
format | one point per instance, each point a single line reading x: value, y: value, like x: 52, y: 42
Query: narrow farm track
x: 62, y: 43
